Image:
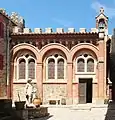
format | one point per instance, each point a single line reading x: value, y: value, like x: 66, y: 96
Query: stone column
x: 69, y: 84
x: 101, y: 69
x: 101, y: 80
x: 94, y: 92
x: 39, y: 77
x: 10, y: 84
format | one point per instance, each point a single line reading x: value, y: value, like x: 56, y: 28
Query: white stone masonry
x: 50, y: 30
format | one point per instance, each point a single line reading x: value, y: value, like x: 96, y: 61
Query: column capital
x: 39, y: 63
x: 69, y: 63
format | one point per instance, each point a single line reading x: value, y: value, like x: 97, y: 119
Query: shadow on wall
x: 110, y: 115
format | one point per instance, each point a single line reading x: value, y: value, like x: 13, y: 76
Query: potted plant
x: 37, y: 100
x: 20, y: 105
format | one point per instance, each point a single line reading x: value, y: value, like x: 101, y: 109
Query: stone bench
x: 57, y: 100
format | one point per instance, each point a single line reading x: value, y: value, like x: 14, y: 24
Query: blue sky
x: 61, y: 13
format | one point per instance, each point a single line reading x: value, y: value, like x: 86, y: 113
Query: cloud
x: 109, y: 11
x: 62, y: 22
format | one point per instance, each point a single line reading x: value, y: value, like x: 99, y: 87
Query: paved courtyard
x: 78, y: 113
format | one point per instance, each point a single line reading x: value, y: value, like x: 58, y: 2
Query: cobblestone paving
x: 73, y: 113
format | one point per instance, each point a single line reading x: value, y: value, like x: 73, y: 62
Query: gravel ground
x: 73, y: 113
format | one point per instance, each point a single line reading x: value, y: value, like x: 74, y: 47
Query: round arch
x: 87, y: 46
x: 23, y: 46
x: 52, y: 46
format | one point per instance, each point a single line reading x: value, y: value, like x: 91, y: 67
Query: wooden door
x: 82, y: 92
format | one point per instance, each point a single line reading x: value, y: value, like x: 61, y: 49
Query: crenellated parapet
x: 17, y: 19
x: 3, y: 11
x: 14, y: 17
x: 50, y: 30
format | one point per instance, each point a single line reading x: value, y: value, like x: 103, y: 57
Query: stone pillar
x: 75, y: 93
x: 101, y: 80
x: 94, y: 92
x: 101, y: 71
x: 39, y: 77
x: 69, y: 84
x: 10, y: 85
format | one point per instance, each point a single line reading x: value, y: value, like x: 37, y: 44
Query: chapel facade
x: 63, y: 65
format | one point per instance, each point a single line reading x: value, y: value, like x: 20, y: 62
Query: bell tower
x: 102, y: 22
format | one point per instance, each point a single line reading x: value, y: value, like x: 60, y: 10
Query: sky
x: 61, y: 13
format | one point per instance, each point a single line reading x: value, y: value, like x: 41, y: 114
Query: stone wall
x: 19, y: 87
x: 3, y: 69
x: 53, y: 91
x: 5, y: 30
x: 75, y: 93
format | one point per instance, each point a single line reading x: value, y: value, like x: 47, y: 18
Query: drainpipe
x: 7, y: 61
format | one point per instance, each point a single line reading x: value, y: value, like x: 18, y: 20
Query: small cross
x: 101, y: 10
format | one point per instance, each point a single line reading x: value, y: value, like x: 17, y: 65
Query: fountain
x: 31, y: 108
x: 33, y: 102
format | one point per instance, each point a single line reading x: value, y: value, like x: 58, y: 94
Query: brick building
x: 63, y: 64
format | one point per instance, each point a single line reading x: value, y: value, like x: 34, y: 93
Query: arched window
x: 80, y: 65
x: 1, y: 30
x: 90, y: 65
x: 101, y: 23
x: 24, y: 66
x: 31, y: 69
x: 22, y: 69
x: 60, y: 69
x: 51, y: 69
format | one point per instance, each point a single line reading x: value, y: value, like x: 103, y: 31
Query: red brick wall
x: 2, y: 63
x: 2, y: 68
